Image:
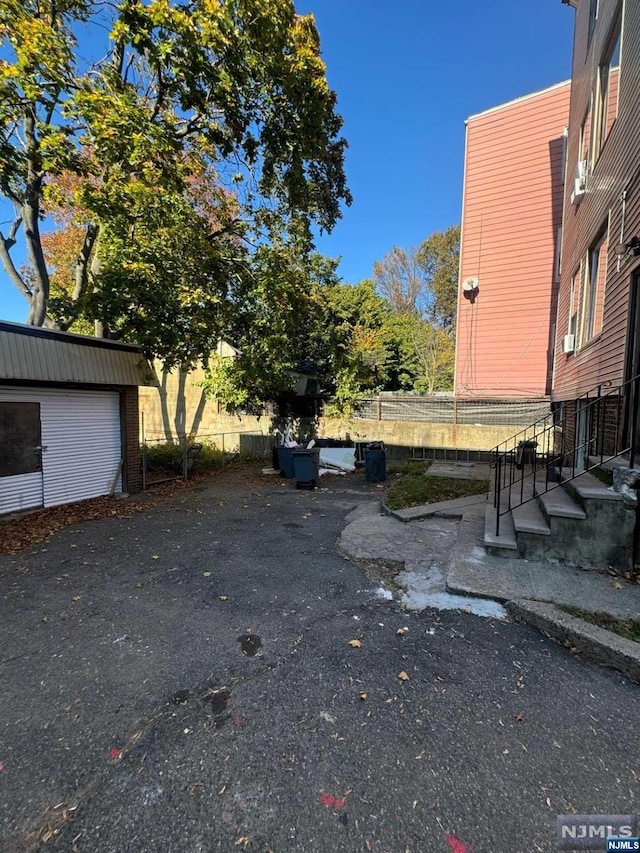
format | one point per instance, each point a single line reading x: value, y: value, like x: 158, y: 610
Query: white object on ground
x: 386, y: 594
x: 323, y: 471
x: 428, y: 590
x: 343, y: 458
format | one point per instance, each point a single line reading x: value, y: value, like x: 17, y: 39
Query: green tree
x: 422, y: 355
x: 240, y: 83
x: 439, y: 257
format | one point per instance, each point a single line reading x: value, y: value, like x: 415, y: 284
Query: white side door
x: 20, y: 453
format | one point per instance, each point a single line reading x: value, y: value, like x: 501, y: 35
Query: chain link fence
x: 165, y: 459
x: 452, y: 410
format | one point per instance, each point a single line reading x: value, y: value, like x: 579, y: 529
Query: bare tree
x: 401, y: 279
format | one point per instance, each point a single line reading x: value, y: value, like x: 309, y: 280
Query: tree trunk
x: 100, y: 328
x: 30, y: 217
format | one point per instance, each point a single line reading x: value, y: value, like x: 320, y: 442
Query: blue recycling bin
x: 285, y: 462
x: 306, y: 466
x: 375, y: 465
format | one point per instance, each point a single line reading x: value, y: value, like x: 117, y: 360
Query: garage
x: 68, y: 417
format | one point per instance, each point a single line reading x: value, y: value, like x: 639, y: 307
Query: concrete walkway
x: 472, y: 571
x: 444, y: 566
x: 422, y: 548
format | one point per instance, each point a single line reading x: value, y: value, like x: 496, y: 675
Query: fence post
x: 379, y: 409
x: 185, y: 448
x: 455, y: 411
x: 223, y: 450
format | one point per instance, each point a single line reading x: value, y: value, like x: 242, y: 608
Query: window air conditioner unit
x: 579, y: 182
x: 568, y: 344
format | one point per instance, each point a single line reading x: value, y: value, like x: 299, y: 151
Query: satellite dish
x: 470, y: 284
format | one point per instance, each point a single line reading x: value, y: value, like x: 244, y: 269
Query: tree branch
x: 31, y: 215
x: 82, y: 263
x: 6, y: 244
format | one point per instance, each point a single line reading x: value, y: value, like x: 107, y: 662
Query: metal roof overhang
x: 33, y: 354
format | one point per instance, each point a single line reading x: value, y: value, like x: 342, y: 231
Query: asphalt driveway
x: 182, y: 680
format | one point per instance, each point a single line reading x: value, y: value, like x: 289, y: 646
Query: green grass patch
x: 167, y: 458
x: 628, y: 628
x: 415, y: 489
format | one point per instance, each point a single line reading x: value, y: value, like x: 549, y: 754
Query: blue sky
x: 407, y: 76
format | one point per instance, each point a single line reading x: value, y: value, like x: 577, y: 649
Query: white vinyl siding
x: 81, y: 446
x: 22, y: 491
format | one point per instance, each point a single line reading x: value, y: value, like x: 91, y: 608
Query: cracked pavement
x: 135, y: 716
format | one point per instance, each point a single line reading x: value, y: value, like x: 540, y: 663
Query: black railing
x: 597, y: 427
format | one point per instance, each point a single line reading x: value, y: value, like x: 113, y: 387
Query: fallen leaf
x: 403, y: 676
x: 206, y: 574
x: 76, y: 598
x: 155, y: 557
x: 356, y: 644
x: 1, y: 766
x: 115, y: 754
x: 139, y: 585
x: 549, y: 801
x: 223, y: 597
x: 332, y: 802
x: 456, y: 845
x: 520, y: 717
x: 617, y: 585
x: 363, y: 696
x: 415, y: 803
x: 401, y: 631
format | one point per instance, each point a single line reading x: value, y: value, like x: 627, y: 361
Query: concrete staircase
x: 581, y: 522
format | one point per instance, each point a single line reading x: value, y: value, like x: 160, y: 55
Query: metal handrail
x: 539, y: 442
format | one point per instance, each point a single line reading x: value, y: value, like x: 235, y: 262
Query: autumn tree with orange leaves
x: 205, y: 130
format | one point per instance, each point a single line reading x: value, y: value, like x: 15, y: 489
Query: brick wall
x: 129, y: 421
x: 606, y: 428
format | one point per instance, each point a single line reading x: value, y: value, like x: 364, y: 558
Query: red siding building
x: 598, y: 325
x: 511, y: 224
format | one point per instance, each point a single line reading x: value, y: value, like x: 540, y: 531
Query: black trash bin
x: 375, y: 463
x: 306, y: 467
x: 285, y: 462
x: 526, y: 453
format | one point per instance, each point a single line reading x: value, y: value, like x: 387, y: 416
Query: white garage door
x: 81, y: 449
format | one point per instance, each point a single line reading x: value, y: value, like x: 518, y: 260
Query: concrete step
x: 446, y: 509
x: 609, y: 464
x: 588, y: 487
x: 507, y: 538
x: 556, y: 502
x: 528, y: 518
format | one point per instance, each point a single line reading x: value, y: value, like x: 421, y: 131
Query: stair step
x: 588, y: 486
x: 556, y: 502
x: 528, y: 518
x: 609, y: 464
x: 507, y: 537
